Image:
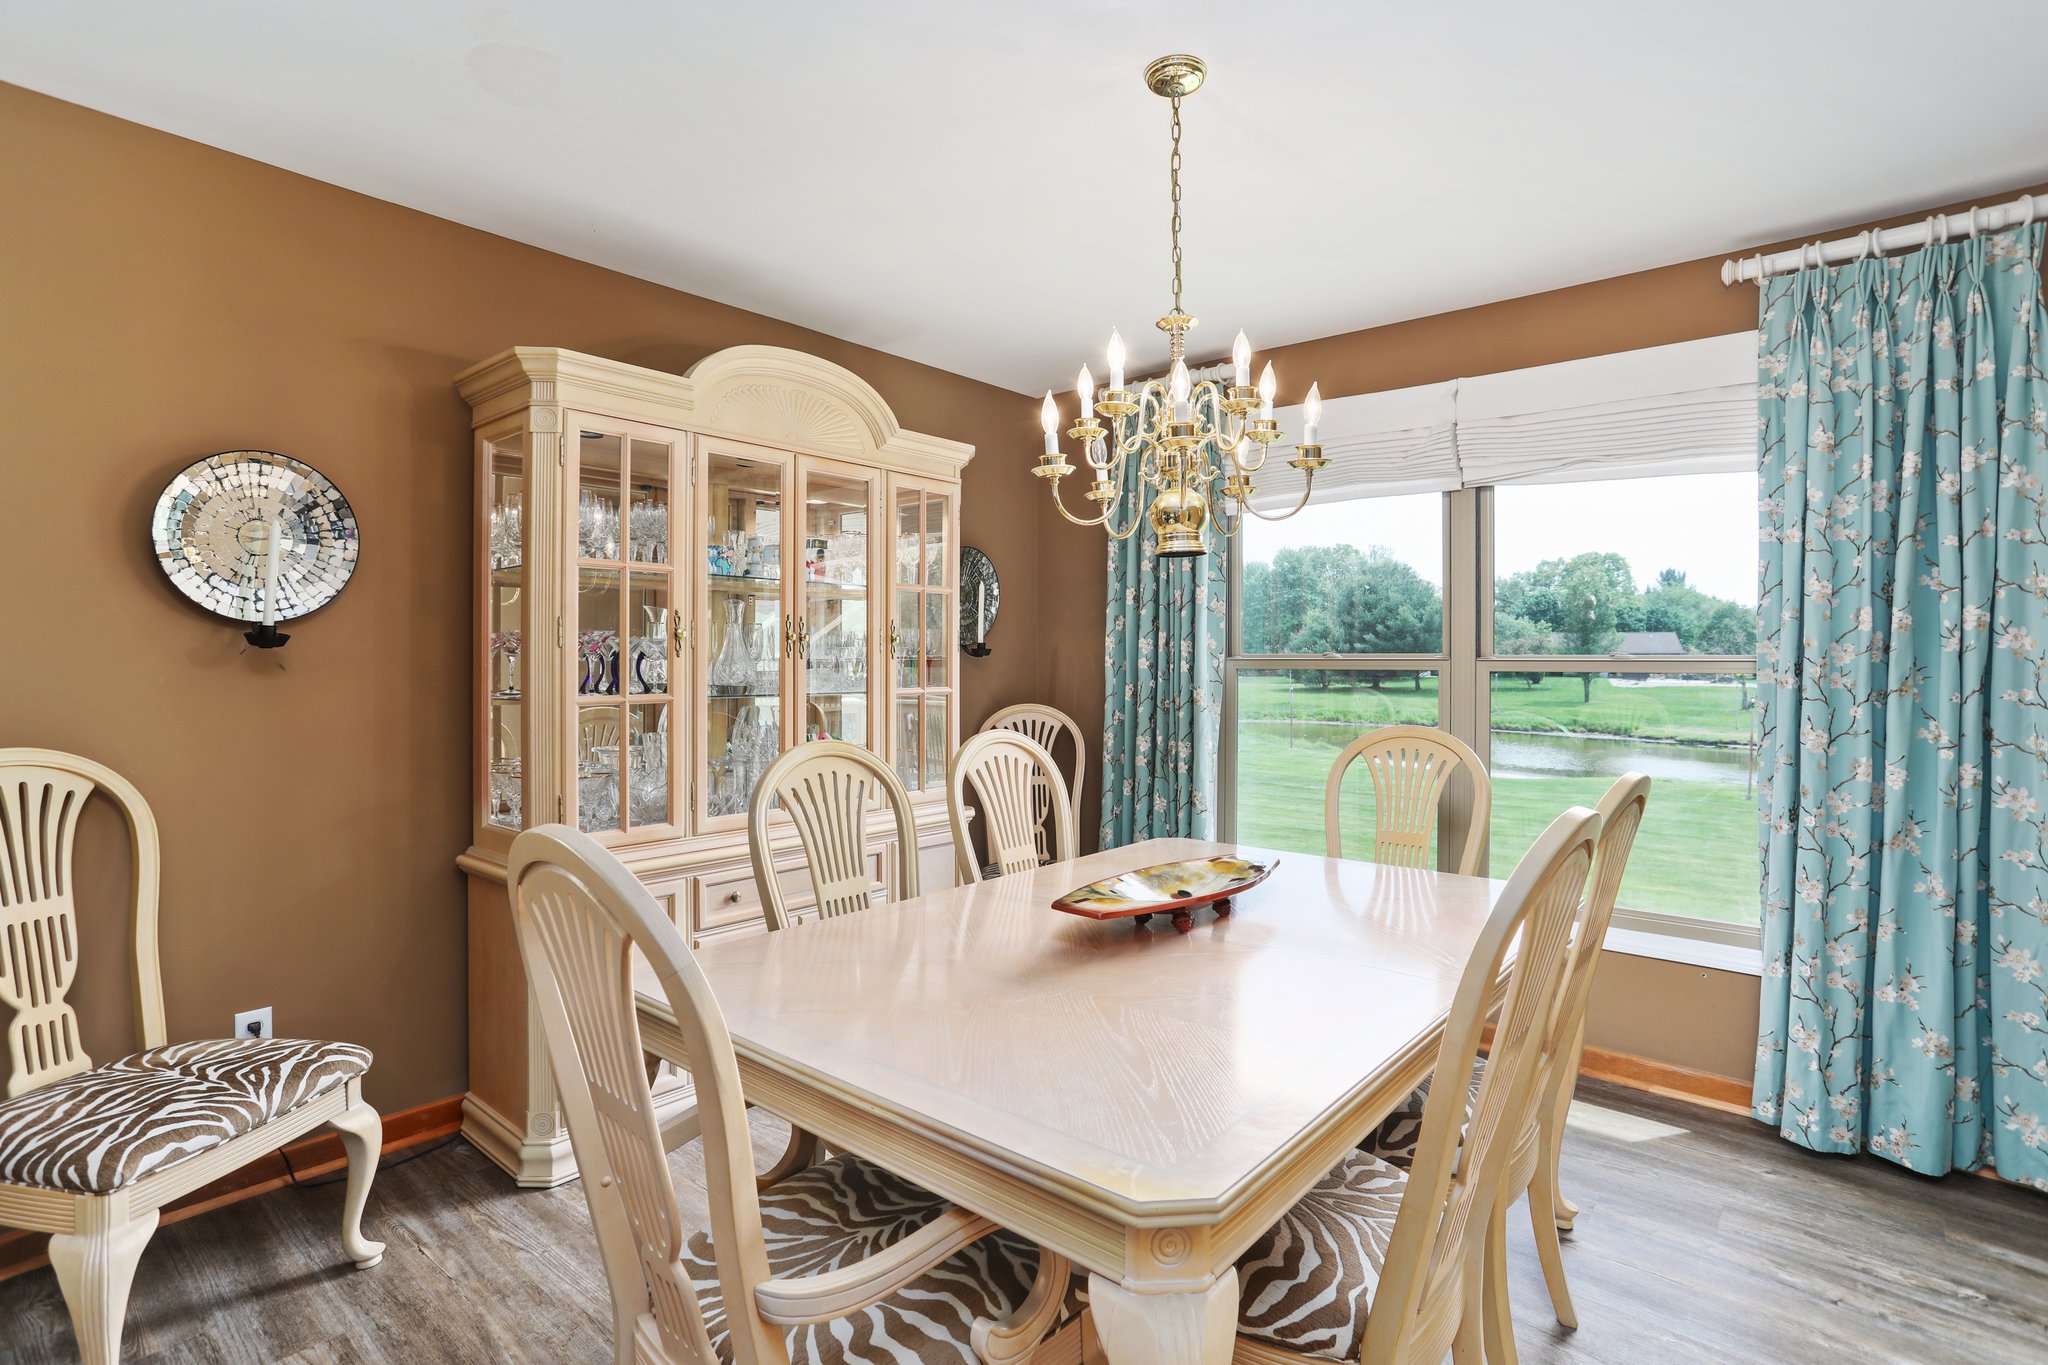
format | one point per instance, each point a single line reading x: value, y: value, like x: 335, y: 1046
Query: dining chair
x: 1411, y: 765
x: 1007, y: 771
x: 1533, y: 1169
x: 842, y: 1262
x: 1389, y: 1267
x: 92, y: 1154
x: 826, y: 788
x: 1045, y: 725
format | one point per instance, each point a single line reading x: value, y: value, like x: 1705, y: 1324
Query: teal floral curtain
x: 1904, y: 591
x: 1163, y: 688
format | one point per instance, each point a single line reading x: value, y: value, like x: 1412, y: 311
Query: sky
x: 1704, y: 524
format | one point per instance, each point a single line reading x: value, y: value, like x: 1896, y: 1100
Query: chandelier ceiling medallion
x: 1193, y: 442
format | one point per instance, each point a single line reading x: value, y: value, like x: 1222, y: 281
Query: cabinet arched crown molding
x: 768, y: 394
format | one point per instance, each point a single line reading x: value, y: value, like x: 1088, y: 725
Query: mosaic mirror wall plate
x: 214, y: 525
x: 1167, y: 889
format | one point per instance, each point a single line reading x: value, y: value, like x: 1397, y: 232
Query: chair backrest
x: 826, y: 787
x: 1621, y: 815
x: 1044, y: 726
x: 1411, y: 765
x: 1434, y: 1256
x: 1003, y: 766
x: 580, y: 914
x: 42, y: 793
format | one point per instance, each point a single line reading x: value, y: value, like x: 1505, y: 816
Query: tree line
x: 1339, y: 599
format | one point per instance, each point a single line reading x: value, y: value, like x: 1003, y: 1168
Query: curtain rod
x: 1939, y: 228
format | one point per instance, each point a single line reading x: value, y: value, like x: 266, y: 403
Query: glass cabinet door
x: 747, y: 636
x: 502, y: 461
x: 626, y: 630
x: 922, y: 631
x: 835, y: 627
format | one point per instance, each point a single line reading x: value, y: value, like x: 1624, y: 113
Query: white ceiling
x: 982, y: 185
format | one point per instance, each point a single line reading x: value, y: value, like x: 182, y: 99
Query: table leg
x: 1166, y: 1329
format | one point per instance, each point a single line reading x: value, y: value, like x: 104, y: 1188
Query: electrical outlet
x: 253, y: 1024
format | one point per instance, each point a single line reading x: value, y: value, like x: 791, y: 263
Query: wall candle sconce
x: 981, y: 594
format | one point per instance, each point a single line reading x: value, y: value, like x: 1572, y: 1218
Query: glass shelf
x: 723, y: 579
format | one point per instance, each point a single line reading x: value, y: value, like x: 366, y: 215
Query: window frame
x: 1465, y: 671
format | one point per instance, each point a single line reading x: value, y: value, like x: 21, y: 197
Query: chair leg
x: 95, y: 1269
x: 1499, y: 1321
x: 362, y: 1138
x: 1563, y: 1211
x: 1543, y: 1220
x: 1017, y: 1338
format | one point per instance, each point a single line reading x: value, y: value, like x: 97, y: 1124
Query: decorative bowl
x: 1167, y: 889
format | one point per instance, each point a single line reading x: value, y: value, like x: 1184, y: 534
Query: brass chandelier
x: 1194, y: 443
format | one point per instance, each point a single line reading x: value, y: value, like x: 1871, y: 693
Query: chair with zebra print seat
x: 1044, y: 726
x: 1411, y: 766
x: 1009, y: 773
x: 841, y: 1262
x: 1390, y: 1267
x: 1534, y: 1167
x: 91, y: 1154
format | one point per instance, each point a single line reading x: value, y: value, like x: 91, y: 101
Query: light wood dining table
x: 1143, y: 1102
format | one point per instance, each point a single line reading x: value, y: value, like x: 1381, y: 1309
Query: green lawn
x: 1710, y: 714
x: 1696, y: 854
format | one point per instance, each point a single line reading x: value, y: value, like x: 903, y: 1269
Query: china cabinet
x: 680, y: 576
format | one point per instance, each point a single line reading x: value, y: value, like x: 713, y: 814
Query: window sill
x: 1744, y: 958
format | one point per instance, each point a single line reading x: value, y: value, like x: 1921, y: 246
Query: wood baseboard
x: 307, y: 1159
x: 1725, y: 1093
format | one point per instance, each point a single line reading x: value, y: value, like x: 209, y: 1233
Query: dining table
x: 1144, y: 1102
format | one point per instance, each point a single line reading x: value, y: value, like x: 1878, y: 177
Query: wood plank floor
x: 1702, y: 1238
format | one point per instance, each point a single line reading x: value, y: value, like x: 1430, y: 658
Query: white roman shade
x: 1687, y: 408
x: 1378, y: 444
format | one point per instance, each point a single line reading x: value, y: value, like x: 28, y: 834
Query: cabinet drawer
x: 728, y: 899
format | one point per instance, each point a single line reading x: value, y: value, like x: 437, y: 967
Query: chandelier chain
x: 1173, y: 171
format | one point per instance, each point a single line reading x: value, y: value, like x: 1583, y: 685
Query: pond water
x: 1517, y: 755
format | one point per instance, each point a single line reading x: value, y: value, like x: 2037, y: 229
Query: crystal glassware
x: 732, y: 668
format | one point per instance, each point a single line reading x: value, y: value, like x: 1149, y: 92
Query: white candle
x: 1311, y: 414
x: 980, y: 611
x: 1116, y: 359
x: 1240, y: 362
x: 276, y: 539
x: 1049, y: 417
x: 1267, y: 388
x: 1178, y: 387
x: 1085, y: 386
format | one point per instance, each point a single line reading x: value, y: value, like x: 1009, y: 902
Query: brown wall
x: 161, y: 300
x: 1701, y: 1019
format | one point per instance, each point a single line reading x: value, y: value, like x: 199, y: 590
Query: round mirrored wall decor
x: 256, y: 536
x: 981, y: 594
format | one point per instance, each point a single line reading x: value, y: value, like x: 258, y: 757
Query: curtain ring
x: 2026, y: 210
x: 1759, y: 267
x: 1863, y: 246
x: 1975, y: 230
x: 1877, y: 243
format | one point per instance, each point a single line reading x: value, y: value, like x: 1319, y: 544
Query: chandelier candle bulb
x: 1116, y: 359
x: 1050, y: 415
x: 1086, y: 388
x: 1179, y: 388
x: 1311, y: 414
x: 1268, y: 386
x: 1240, y: 362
